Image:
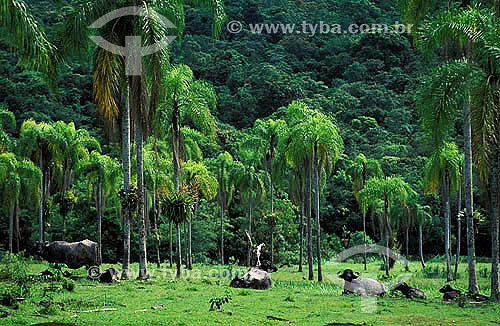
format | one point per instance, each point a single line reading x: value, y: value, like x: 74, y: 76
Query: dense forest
x: 300, y: 142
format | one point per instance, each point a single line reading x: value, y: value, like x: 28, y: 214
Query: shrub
x: 68, y: 285
x: 357, y: 239
x: 14, y: 268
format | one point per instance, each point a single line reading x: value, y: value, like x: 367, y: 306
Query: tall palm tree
x: 361, y: 170
x: 157, y: 175
x: 9, y: 189
x: 141, y: 93
x: 328, y: 147
x: 31, y: 179
x: 74, y: 145
x: 442, y: 170
x: 251, y: 182
x: 205, y: 184
x: 222, y: 167
x: 184, y: 98
x: 103, y: 175
x: 463, y: 84
x: 388, y: 190
x: 307, y: 146
x: 38, y: 142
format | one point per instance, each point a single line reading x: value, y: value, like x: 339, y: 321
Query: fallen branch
x: 345, y: 324
x: 279, y: 319
x: 98, y: 310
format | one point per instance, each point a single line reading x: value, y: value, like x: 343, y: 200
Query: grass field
x: 186, y: 302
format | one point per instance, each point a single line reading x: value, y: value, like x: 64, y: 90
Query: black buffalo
x: 449, y: 293
x: 256, y: 278
x: 73, y: 254
x: 408, y: 291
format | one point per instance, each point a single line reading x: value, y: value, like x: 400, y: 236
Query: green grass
x: 186, y: 302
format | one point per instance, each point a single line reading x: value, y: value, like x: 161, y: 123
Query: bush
x: 13, y: 267
x: 357, y: 239
x: 68, y: 285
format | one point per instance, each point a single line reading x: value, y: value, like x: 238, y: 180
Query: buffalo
x: 73, y: 254
x: 408, y: 291
x: 361, y: 286
x: 256, y: 278
x: 449, y: 293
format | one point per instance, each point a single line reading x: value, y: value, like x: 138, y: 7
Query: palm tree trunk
x: 170, y: 244
x: 11, y: 227
x: 446, y: 199
x: 156, y: 214
x: 271, y: 188
x: 143, y: 268
x: 495, y: 294
x: 364, y: 240
x: 190, y: 257
x: 40, y: 212
x: 308, y: 169
x: 221, y: 234
x: 318, y: 228
x: 179, y: 251
x: 16, y: 226
x: 99, y: 200
x: 420, y: 245
x: 387, y: 225
x: 186, y: 257
x: 249, y: 256
x: 469, y: 204
x: 126, y: 184
x: 459, y: 230
x: 301, y: 256
x: 407, y: 238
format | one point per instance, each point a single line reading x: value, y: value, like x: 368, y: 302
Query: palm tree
x: 157, y: 175
x: 179, y: 207
x: 27, y: 35
x: 264, y: 138
x: 74, y: 145
x: 360, y: 170
x: 252, y: 185
x: 442, y: 170
x: 141, y: 93
x: 38, y: 142
x: 31, y: 179
x: 388, y: 190
x: 103, y: 175
x: 222, y: 167
x: 328, y: 147
x: 298, y: 146
x: 205, y: 184
x: 184, y: 98
x: 295, y: 176
x: 9, y: 189
x: 469, y: 84
x: 313, y: 144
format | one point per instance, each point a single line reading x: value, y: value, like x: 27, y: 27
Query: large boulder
x: 257, y: 278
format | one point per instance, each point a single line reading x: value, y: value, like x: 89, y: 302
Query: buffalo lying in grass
x: 408, y: 291
x: 361, y: 286
x: 256, y: 278
x: 449, y: 293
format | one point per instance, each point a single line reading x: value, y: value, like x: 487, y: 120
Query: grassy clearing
x: 186, y: 302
